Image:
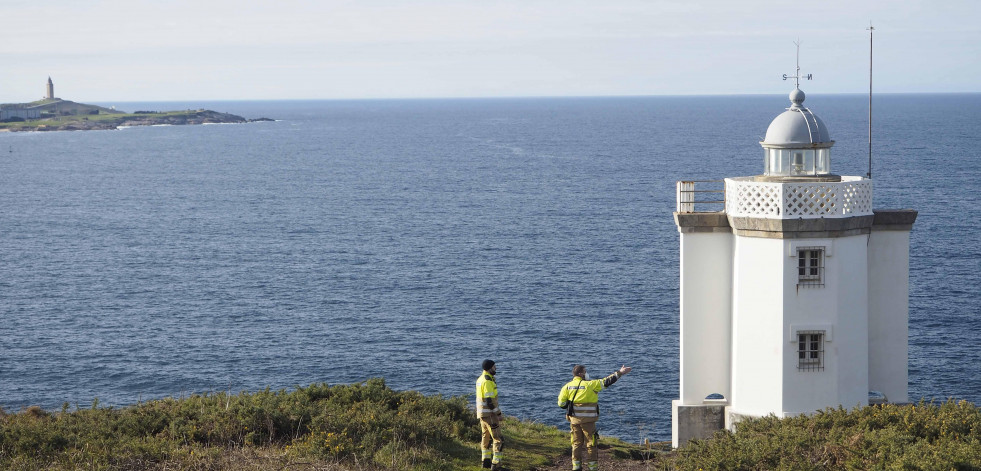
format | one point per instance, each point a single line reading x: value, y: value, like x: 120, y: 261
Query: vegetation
x: 86, y: 121
x: 887, y: 437
x: 367, y: 426
x: 359, y: 426
x: 44, y: 101
x: 59, y: 107
x: 57, y: 121
x: 65, y: 115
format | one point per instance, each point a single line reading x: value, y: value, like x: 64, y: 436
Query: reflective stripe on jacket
x: 584, y: 396
x: 487, y: 396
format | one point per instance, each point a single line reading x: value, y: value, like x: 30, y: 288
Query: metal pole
x: 870, y: 28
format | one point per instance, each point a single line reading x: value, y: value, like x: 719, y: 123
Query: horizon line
x: 491, y: 97
x: 512, y: 97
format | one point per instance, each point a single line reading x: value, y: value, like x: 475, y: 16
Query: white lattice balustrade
x: 747, y: 198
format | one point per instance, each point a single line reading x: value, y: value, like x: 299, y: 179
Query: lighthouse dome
x: 797, y: 126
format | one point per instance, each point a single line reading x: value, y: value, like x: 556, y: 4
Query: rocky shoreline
x: 84, y: 123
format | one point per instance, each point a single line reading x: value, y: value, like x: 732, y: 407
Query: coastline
x: 116, y: 121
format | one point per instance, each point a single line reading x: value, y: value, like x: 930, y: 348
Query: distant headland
x: 55, y: 114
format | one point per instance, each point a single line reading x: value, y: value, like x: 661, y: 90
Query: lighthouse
x: 794, y: 297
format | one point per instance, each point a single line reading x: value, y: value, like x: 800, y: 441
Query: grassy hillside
x: 368, y: 426
x: 359, y: 426
x: 67, y: 107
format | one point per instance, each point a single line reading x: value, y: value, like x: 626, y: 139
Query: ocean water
x: 411, y: 239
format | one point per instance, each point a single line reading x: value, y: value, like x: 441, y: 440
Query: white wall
x: 706, y: 294
x: 852, y: 351
x: 862, y: 308
x: 889, y: 314
x: 840, y: 309
x: 809, y: 308
x: 758, y: 334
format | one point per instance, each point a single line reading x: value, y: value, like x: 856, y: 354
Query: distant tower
x: 795, y: 297
x: 51, y: 90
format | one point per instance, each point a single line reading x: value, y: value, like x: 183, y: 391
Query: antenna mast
x: 870, y: 30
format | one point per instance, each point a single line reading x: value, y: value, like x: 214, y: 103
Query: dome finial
x: 796, y: 98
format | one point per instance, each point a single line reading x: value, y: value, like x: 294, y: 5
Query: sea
x: 412, y: 239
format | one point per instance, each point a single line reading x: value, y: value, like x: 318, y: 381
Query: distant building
x: 50, y: 90
x: 18, y: 111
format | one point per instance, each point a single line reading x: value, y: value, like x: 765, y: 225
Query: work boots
x: 486, y: 463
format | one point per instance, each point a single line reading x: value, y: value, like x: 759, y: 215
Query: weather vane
x: 798, y: 76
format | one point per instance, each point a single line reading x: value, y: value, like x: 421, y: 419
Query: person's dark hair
x: 487, y: 365
x: 578, y: 370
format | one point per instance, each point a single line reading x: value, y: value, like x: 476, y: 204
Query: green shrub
x: 359, y: 422
x: 921, y: 436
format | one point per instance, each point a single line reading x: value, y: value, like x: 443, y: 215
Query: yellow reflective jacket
x: 584, y: 397
x: 487, y: 396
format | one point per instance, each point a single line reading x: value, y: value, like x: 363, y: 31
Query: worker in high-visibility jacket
x: 490, y: 417
x: 580, y: 400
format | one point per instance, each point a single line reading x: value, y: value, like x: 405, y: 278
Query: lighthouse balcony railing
x: 746, y: 197
x: 701, y: 196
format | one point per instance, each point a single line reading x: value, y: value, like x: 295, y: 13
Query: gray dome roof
x: 797, y: 126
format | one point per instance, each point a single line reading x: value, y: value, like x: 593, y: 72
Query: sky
x: 142, y: 50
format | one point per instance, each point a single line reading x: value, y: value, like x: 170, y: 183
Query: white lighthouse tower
x: 794, y: 298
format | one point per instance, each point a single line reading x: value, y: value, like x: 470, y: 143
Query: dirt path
x: 608, y: 463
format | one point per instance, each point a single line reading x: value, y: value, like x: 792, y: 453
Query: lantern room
x: 797, y: 143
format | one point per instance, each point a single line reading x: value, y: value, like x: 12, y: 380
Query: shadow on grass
x: 527, y: 446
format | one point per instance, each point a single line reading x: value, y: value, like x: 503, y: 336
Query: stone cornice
x: 702, y: 222
x: 894, y: 219
x: 800, y: 228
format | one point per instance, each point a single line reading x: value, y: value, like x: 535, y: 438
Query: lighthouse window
x: 774, y: 162
x: 823, y: 162
x: 810, y: 266
x: 810, y: 350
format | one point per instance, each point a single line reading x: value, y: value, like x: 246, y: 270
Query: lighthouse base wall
x: 700, y: 421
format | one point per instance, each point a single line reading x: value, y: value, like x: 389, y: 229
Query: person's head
x: 489, y: 366
x: 579, y: 370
